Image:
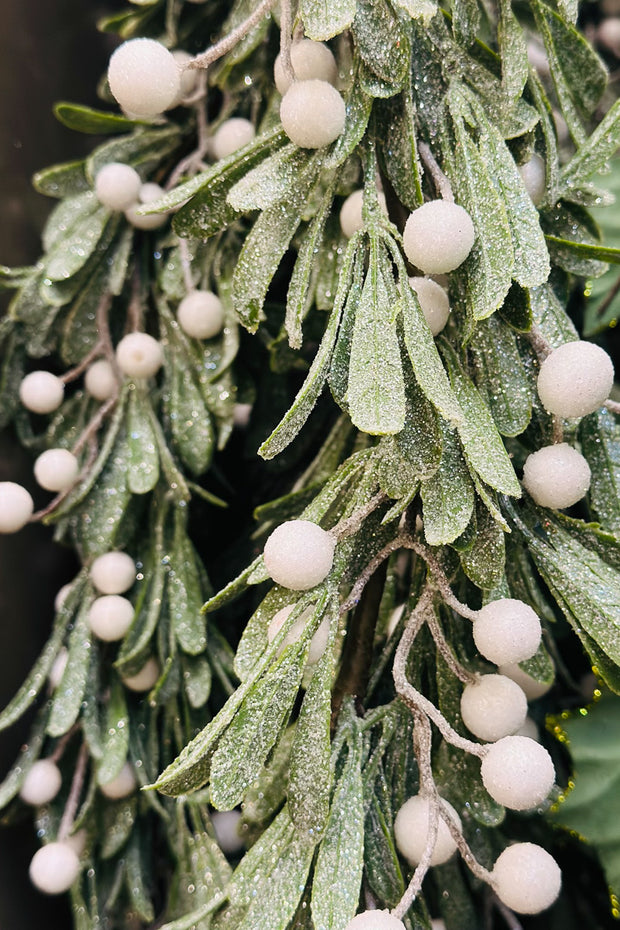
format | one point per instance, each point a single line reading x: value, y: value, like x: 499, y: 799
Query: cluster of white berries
x: 119, y: 188
x: 299, y: 554
x: 312, y: 111
x: 574, y: 380
x: 110, y: 615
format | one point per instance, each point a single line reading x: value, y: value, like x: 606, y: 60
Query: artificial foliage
x: 239, y: 756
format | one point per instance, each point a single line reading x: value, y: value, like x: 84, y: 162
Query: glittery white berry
x: 434, y: 302
x: 310, y: 60
x: 41, y: 392
x: 533, y: 689
x: 375, y: 920
x: 188, y: 77
x: 58, y: 668
x: 507, y: 630
x: 54, y: 868
x: 138, y: 355
x: 110, y: 616
x: 492, y: 707
x: 411, y: 830
x: 526, y: 878
x: 575, y: 379
x: 56, y: 469
x: 122, y: 785
x: 145, y: 678
x: 318, y: 642
x: 100, y: 380
x: 232, y: 135
x: 42, y: 783
x: 517, y: 772
x: 226, y: 826
x: 533, y: 175
x: 113, y: 572
x: 117, y: 186
x: 144, y: 77
x: 299, y: 554
x: 148, y: 193
x: 16, y: 507
x: 351, y: 217
x: 201, y: 315
x: 556, y: 476
x: 312, y: 113
x: 438, y: 236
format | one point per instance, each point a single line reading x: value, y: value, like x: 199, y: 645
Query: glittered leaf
x: 600, y: 442
x: 381, y: 41
x: 397, y: 147
x: 68, y: 695
x: 501, y: 377
x: 324, y: 19
x: 116, y: 735
x: 60, y: 181
x: 594, y: 154
x: 143, y: 472
x: 484, y: 563
x: 269, y: 182
x: 513, y: 52
x: 447, y: 497
x: 185, y: 594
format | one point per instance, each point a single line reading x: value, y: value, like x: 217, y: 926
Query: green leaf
x: 418, y: 9
x: 340, y: 862
x: 61, y: 181
x: 380, y: 856
x: 323, y: 20
x: 513, y: 52
x: 197, y: 678
x: 68, y: 695
x: 144, y: 150
x: 185, y: 592
x: 190, y: 421
x: 95, y: 122
x: 484, y: 563
x: 600, y: 442
x: 119, y: 818
x: 381, y: 41
x: 447, y: 497
x: 501, y: 376
x: 143, y: 464
x: 116, y: 735
x: 136, y: 869
x: 69, y: 254
x: 419, y: 442
x: 271, y: 181
x: 397, y: 147
x: 583, y: 258
x: 594, y: 154
x: 358, y: 106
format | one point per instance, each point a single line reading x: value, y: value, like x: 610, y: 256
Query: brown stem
x: 227, y: 43
x: 77, y: 783
x: 351, y: 525
x: 74, y: 373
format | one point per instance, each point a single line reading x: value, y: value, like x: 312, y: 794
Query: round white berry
x: 299, y: 554
x: 608, y: 34
x: 148, y: 193
x: 492, y: 707
x: 517, y: 772
x: 56, y: 469
x: 188, y: 77
x: 41, y: 392
x: 411, y: 830
x: 507, y: 630
x: 113, y: 572
x: 575, y: 379
x: 438, y: 236
x: 77, y: 841
x: 58, y: 668
x: 533, y: 176
x: 351, y: 216
x: 122, y: 785
x: 226, y: 826
x: 533, y: 689
x: 201, y: 315
x: 145, y: 678
x: 241, y: 415
x: 110, y: 617
x: 54, y: 868
x: 310, y: 61
x: 16, y: 507
x: 318, y: 643
x: 375, y: 920
x: 117, y: 186
x: 556, y: 476
x: 232, y: 135
x: 434, y: 302
x: 42, y: 783
x: 526, y: 878
x: 438, y: 924
x: 312, y: 113
x: 138, y: 355
x: 144, y: 77
x: 100, y: 380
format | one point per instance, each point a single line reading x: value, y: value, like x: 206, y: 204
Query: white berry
x: 144, y: 77
x: 318, y: 643
x: 148, y: 193
x: 56, y: 469
x: 411, y: 830
x: 526, y: 878
x: 351, y: 216
x: 517, y: 772
x: 312, y: 113
x: 608, y: 34
x: 100, y: 380
x: 54, y: 868
x: 529, y: 728
x: 201, y: 315
x: 58, y: 668
x: 533, y: 689
x: 438, y: 924
x: 145, y: 678
x: 42, y: 783
x: 507, y: 630
x: 226, y: 826
x: 110, y: 617
x: 310, y: 60
x: 492, y: 707
x: 438, y: 236
x: 113, y: 572
x: 188, y: 77
x: 122, y: 785
x: 41, y: 392
x: 533, y: 176
x: 117, y: 186
x: 299, y: 554
x: 434, y: 302
x: 556, y: 476
x: 138, y: 355
x: 232, y: 135
x: 77, y: 841
x: 241, y: 415
x: 575, y: 379
x: 375, y: 920
x: 16, y: 507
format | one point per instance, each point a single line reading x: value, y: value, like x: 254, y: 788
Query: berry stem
x: 286, y: 26
x: 77, y: 784
x: 463, y: 674
x: 227, y: 43
x: 612, y: 405
x: 541, y: 347
x: 96, y: 350
x: 444, y: 188
x: 350, y: 525
x: 186, y: 264
x: 509, y: 916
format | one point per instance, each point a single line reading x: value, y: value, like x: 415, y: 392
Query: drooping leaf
x: 600, y: 441
x: 381, y: 41
x: 143, y: 473
x: 116, y: 735
x: 95, y: 122
x: 68, y: 696
x: 448, y: 496
x: 501, y: 377
x: 325, y: 20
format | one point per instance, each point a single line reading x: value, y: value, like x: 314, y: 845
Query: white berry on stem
x: 110, y: 616
x: 201, y: 315
x: 54, y: 868
x: 575, y: 379
x: 438, y: 236
x: 351, y: 212
x: 318, y: 643
x: 117, y: 186
x: 56, y: 469
x: 533, y: 176
x: 145, y: 678
x: 434, y: 302
x: 312, y: 114
x: 42, y: 783
x: 148, y: 193
x: 100, y: 381
x: 507, y: 630
x: 299, y: 554
x: 231, y: 136
x: 41, y: 392
x: 556, y: 476
x: 310, y: 60
x: 16, y: 507
x: 226, y: 825
x: 138, y: 355
x: 188, y: 77
x: 122, y: 785
x: 411, y: 828
x: 113, y: 572
x: 526, y: 878
x: 493, y: 707
x: 517, y: 772
x: 532, y: 688
x: 375, y: 920
x: 144, y: 77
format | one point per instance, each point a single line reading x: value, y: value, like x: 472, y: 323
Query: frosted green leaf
x: 94, y: 122
x: 418, y: 9
x: 197, y: 677
x: 144, y: 150
x: 339, y: 366
x: 184, y: 591
x: 381, y: 41
x: 66, y: 215
x: 340, y: 862
x: 143, y: 473
x: 513, y: 52
x: 135, y: 871
x: 69, y: 693
x: 549, y: 316
x: 358, y: 105
x: 501, y: 376
x: 447, y: 497
x: 134, y: 647
x: 594, y: 154
x: 254, y: 638
x: 200, y: 878
x: 66, y: 180
x: 116, y: 740
x: 484, y: 563
x: 118, y: 821
x: 324, y: 19
x: 397, y: 147
x: 380, y: 856
x: 419, y: 441
x: 271, y: 181
x: 600, y: 442
x: 190, y: 422
x: 465, y: 20
x: 29, y: 753
x: 463, y: 785
x: 268, y: 792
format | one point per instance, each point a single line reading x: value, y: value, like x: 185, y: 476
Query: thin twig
x: 442, y: 183
x: 77, y: 783
x: 195, y: 160
x: 286, y: 25
x: 441, y: 580
x: 95, y: 423
x: 350, y: 525
x: 368, y: 572
x: 541, y: 347
x: 63, y: 742
x: 74, y: 373
x: 609, y: 299
x: 448, y: 656
x: 557, y: 430
x: 227, y: 43
x: 612, y: 405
